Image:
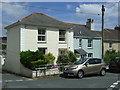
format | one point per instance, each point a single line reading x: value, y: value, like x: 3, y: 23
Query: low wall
x: 46, y: 72
x: 25, y: 71
x: 40, y: 72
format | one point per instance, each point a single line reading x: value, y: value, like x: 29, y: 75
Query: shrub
x: 49, y: 58
x: 110, y: 54
x: 36, y: 64
x: 69, y: 57
x: 31, y: 59
x: 62, y: 59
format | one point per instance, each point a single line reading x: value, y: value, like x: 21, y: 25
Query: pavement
x: 107, y: 82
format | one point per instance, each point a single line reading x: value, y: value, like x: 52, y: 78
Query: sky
x: 74, y: 12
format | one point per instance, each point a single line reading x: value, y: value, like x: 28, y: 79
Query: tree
x: 110, y: 54
x: 49, y: 58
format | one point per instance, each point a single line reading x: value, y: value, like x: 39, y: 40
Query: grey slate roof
x: 40, y: 19
x: 81, y: 30
x: 110, y: 34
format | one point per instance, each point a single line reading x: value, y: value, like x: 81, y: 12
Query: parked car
x: 114, y: 65
x: 86, y: 66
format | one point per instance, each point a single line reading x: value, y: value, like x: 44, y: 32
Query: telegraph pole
x: 103, y: 10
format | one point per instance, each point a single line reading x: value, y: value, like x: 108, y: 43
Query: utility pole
x: 103, y: 10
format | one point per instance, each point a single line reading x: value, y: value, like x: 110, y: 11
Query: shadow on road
x: 75, y: 77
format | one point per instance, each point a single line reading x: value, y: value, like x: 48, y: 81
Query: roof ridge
x: 39, y: 13
x: 73, y: 23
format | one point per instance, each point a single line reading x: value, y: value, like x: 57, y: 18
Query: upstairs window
x: 41, y: 34
x: 62, y: 35
x: 80, y: 43
x: 110, y: 45
x: 90, y: 43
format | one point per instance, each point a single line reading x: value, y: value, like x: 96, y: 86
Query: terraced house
x: 86, y: 42
x: 111, y: 39
x: 37, y: 31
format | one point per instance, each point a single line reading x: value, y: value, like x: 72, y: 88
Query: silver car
x: 86, y: 66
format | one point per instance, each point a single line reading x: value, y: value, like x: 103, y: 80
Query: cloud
x: 91, y: 11
x: 68, y: 6
x: 111, y: 10
x: 10, y: 13
x: 14, y: 9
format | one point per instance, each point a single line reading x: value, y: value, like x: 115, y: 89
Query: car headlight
x: 74, y: 67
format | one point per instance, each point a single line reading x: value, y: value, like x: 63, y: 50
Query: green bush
x: 31, y: 59
x: 68, y: 58
x: 62, y: 59
x: 110, y: 54
x: 49, y: 58
x: 36, y: 64
x: 71, y: 56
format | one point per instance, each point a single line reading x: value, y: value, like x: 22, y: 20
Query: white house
x: 37, y: 31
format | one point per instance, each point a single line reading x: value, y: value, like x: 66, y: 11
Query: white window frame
x: 110, y: 45
x: 42, y: 35
x: 64, y: 36
x: 90, y: 43
x: 91, y: 55
x: 80, y: 43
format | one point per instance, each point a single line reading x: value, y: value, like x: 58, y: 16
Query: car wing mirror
x: 86, y: 64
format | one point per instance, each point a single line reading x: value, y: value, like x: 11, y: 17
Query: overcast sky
x: 75, y: 12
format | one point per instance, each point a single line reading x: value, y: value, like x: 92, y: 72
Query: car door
x: 91, y: 66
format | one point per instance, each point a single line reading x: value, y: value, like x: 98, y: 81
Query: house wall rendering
x: 95, y: 49
x: 23, y: 38
x: 114, y: 46
x: 12, y: 62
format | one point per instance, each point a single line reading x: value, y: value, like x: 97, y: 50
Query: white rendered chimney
x: 90, y: 24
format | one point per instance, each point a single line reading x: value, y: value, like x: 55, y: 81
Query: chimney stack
x: 90, y: 24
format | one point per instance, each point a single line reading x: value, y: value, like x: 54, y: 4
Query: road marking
x: 17, y: 80
x: 114, y: 85
x: 118, y: 81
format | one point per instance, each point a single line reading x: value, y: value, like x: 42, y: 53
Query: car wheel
x: 102, y: 72
x: 80, y: 74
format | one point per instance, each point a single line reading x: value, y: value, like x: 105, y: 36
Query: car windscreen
x: 81, y: 61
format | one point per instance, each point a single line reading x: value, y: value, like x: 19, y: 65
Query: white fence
x: 46, y: 70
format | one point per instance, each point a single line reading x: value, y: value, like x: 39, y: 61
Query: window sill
x: 62, y: 42
x: 110, y: 48
x: 41, y: 42
x: 90, y: 47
